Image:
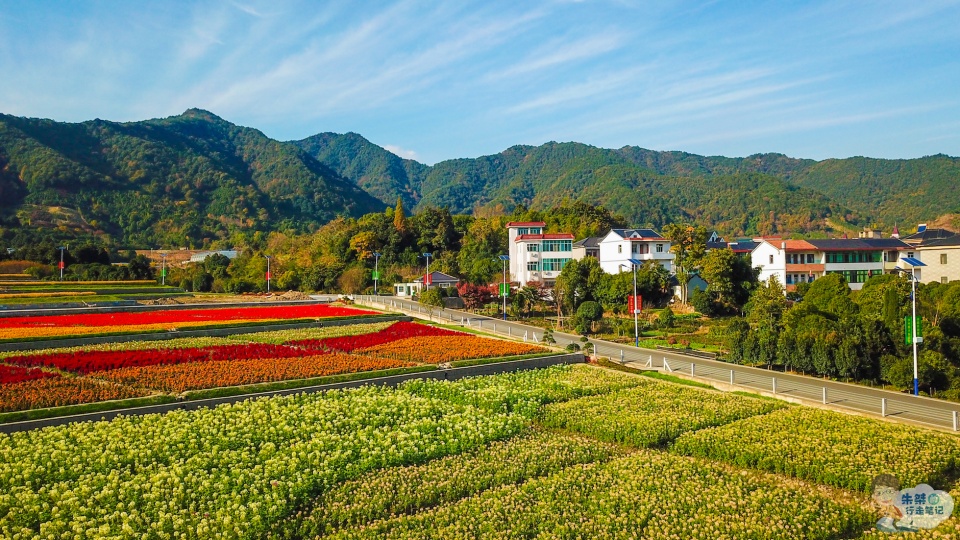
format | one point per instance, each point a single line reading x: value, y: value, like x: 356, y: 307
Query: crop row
x: 524, y: 392
x: 311, y: 311
x: 14, y: 374
x: 59, y: 391
x: 647, y: 494
x: 439, y: 349
x: 104, y: 323
x: 403, y: 490
x: 178, y: 378
x: 228, y: 472
x: 394, y: 332
x: 829, y: 448
x: 652, y: 414
x: 274, y: 337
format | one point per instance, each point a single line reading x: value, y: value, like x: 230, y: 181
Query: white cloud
x: 406, y: 154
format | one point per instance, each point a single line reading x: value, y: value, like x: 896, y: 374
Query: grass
x: 84, y: 408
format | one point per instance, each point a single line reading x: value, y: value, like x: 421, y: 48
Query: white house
x: 801, y: 261
x: 621, y: 245
x: 535, y: 256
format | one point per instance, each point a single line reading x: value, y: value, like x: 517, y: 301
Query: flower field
x: 652, y: 414
x: 178, y: 378
x: 829, y: 448
x: 465, y: 459
x: 405, y: 490
x: 118, y: 322
x: 120, y: 370
x: 57, y: 391
x: 644, y: 495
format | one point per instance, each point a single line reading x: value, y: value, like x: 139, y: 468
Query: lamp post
x: 268, y: 272
x: 61, y: 248
x: 636, y: 309
x: 376, y: 273
x: 163, y: 268
x: 504, y: 287
x: 914, y: 263
x: 426, y: 278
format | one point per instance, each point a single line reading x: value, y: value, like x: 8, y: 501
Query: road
x: 798, y: 388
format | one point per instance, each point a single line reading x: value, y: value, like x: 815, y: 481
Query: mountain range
x: 195, y: 178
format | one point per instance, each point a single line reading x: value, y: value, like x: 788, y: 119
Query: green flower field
x: 565, y: 452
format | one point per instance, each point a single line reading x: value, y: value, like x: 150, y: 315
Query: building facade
x: 802, y: 261
x: 620, y: 245
x: 536, y: 256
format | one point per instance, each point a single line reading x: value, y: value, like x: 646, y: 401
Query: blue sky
x: 448, y: 79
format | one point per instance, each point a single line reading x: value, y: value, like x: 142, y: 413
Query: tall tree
x: 688, y: 244
x: 399, y: 218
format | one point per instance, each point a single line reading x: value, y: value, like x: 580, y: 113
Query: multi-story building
x: 535, y: 256
x: 801, y: 261
x: 942, y: 260
x: 620, y: 245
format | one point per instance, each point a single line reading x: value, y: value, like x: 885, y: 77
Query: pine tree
x: 399, y: 219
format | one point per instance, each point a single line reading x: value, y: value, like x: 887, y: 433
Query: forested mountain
x: 648, y: 188
x: 196, y: 179
x: 179, y: 181
x: 904, y: 191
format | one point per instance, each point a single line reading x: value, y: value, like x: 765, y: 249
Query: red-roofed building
x: 535, y: 255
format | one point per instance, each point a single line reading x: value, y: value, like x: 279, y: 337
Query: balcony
x: 805, y: 268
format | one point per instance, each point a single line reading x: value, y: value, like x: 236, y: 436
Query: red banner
x: 268, y: 276
x: 634, y: 303
x: 60, y: 266
x: 427, y: 279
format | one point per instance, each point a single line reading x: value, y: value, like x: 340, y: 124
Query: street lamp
x: 61, y: 248
x: 504, y: 287
x: 268, y: 272
x: 426, y: 278
x: 376, y: 273
x: 914, y: 264
x: 163, y: 268
x: 636, y: 309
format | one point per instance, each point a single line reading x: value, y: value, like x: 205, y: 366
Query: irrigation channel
x: 813, y: 391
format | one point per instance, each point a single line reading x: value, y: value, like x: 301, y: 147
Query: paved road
x: 810, y: 390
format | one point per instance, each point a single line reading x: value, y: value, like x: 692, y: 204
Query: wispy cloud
x: 406, y: 154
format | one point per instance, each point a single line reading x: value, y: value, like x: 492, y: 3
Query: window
x: 659, y: 248
x: 809, y: 258
x: 557, y: 245
x: 633, y: 247
x: 523, y: 230
x: 532, y: 266
x: 554, y: 265
x: 943, y: 258
x: 533, y: 247
x: 536, y: 230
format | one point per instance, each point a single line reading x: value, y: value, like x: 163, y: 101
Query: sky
x: 451, y: 79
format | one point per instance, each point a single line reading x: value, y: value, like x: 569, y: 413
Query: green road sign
x: 908, y: 329
x: 376, y: 274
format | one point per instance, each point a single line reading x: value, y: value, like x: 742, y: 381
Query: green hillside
x: 904, y: 191
x: 184, y: 180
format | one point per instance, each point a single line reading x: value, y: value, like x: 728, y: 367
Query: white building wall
x: 771, y: 260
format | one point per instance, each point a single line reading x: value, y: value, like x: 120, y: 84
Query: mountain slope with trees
x: 179, y: 181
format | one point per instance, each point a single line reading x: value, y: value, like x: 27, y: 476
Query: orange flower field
x: 59, y: 391
x: 440, y: 349
x: 179, y: 378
